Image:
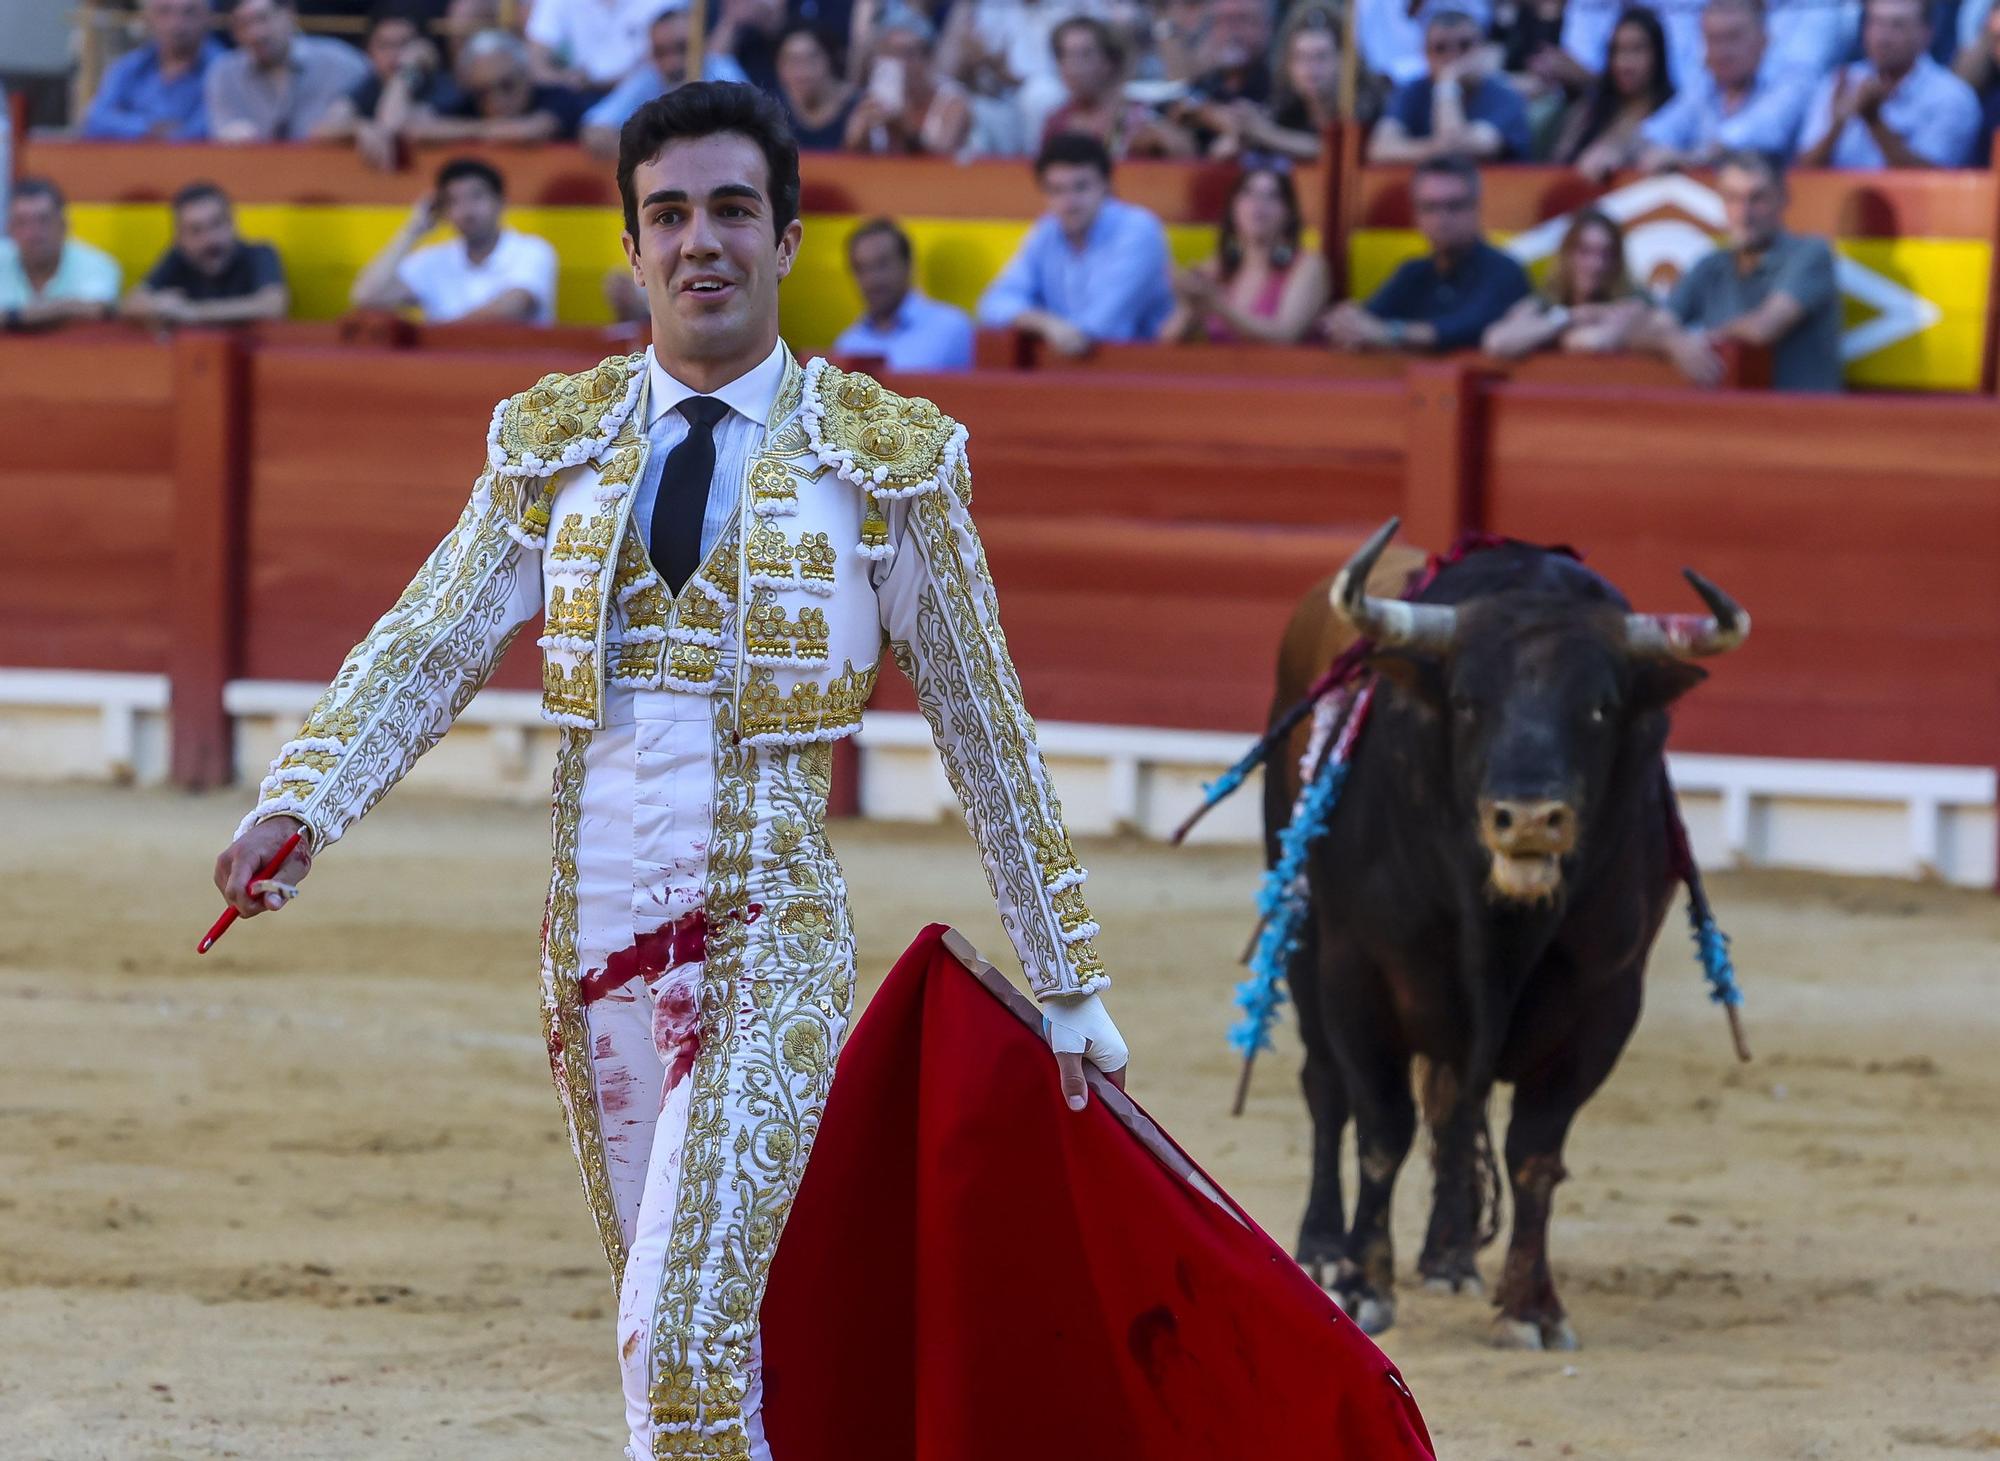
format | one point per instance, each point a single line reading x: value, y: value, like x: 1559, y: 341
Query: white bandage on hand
x: 1079, y: 1023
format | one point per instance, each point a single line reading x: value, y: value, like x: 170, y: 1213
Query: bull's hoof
x: 1534, y: 1334
x: 1323, y: 1271
x: 1516, y: 1334
x: 1371, y: 1312
x: 1455, y: 1283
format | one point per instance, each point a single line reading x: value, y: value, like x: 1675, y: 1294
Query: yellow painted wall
x: 325, y: 247
x: 1953, y: 274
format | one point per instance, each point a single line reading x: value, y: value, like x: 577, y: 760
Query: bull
x: 1483, y: 900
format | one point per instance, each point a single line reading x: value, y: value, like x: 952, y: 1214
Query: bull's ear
x: 1659, y: 683
x: 1417, y: 676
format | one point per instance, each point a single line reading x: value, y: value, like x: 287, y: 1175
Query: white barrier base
x: 1861, y: 818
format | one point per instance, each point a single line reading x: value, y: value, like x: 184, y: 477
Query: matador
x: 720, y: 543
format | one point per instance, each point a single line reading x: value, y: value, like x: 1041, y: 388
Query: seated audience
x: 155, y: 92
x: 1896, y: 108
x: 899, y: 326
x: 210, y: 276
x: 48, y: 278
x: 277, y: 84
x: 1765, y: 287
x: 1600, y: 134
x: 1391, y: 34
x: 908, y: 108
x: 816, y: 97
x: 1741, y: 99
x: 1306, y: 95
x: 1091, y: 268
x: 587, y: 45
x: 1001, y: 51
x: 1810, y: 37
x: 403, y: 75
x: 666, y: 68
x: 1589, y: 303
x: 1263, y: 284
x: 1461, y: 109
x: 487, y: 273
x: 1446, y: 299
x: 496, y: 99
x: 1092, y: 65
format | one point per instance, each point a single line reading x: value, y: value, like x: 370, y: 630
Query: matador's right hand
x: 241, y: 861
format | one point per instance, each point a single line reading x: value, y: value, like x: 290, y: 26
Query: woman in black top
x: 1601, y: 124
x: 815, y: 97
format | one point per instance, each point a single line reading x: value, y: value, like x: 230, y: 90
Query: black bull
x: 1484, y: 900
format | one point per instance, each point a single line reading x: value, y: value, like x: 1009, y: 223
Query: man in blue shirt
x: 155, y: 92
x: 1092, y: 268
x: 1460, y: 109
x: 1743, y: 98
x: 901, y: 328
x: 1445, y: 300
x: 1898, y: 108
x: 667, y: 48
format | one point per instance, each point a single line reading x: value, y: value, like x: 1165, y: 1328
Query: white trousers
x: 642, y: 862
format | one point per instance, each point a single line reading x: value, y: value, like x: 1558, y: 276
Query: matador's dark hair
x: 702, y: 109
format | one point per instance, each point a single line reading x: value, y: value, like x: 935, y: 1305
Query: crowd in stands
x: 1599, y: 84
x: 1077, y: 86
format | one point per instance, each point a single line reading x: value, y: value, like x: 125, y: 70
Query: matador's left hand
x: 1080, y: 1029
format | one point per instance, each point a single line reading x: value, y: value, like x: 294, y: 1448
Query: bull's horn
x: 1689, y: 636
x: 1391, y: 623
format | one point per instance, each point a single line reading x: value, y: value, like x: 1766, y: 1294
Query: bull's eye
x: 1600, y: 715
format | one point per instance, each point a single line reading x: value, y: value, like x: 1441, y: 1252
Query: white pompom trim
x: 578, y: 451
x: 802, y: 738
x: 843, y: 461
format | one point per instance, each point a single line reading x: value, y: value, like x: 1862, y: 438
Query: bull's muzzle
x: 1527, y: 841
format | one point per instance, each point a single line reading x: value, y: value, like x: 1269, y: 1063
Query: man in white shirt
x: 46, y: 277
x: 589, y: 44
x: 487, y: 273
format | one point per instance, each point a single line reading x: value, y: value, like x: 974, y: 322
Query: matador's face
x: 708, y: 254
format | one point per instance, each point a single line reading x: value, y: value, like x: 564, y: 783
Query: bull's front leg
x: 1545, y: 1105
x: 1323, y: 1230
x: 1463, y: 1165
x: 1385, y: 1120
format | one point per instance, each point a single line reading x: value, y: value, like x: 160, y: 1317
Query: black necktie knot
x: 703, y: 412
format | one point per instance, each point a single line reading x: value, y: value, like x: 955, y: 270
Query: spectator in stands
x: 1263, y: 285
x: 487, y: 273
x: 1600, y: 134
x: 1306, y: 98
x: 907, y: 107
x: 1091, y: 63
x: 1981, y: 68
x: 1587, y: 28
x: 48, y: 278
x: 1000, y: 51
x: 587, y: 45
x: 496, y: 99
x: 899, y: 327
x: 1446, y: 299
x: 667, y: 39
x: 403, y: 75
x: 277, y: 84
x: 816, y: 97
x: 1234, y: 90
x: 1091, y: 268
x: 155, y: 91
x: 210, y: 276
x: 1177, y: 37
x: 1898, y: 107
x: 1461, y: 109
x: 1740, y: 100
x: 1392, y: 34
x: 1588, y: 304
x: 1765, y: 288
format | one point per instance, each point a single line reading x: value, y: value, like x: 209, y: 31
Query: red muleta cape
x: 973, y: 1272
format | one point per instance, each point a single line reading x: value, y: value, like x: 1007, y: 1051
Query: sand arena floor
x: 310, y: 1197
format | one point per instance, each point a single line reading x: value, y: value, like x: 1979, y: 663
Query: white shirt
x: 604, y: 39
x: 739, y: 436
x: 449, y: 286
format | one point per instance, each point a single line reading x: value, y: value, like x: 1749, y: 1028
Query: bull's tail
x: 1492, y: 1190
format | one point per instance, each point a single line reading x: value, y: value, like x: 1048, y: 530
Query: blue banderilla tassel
x: 1712, y: 947
x: 1283, y: 905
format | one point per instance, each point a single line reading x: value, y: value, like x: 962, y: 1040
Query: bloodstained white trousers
x: 642, y: 864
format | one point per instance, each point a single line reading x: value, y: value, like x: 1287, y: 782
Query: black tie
x: 682, y: 501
